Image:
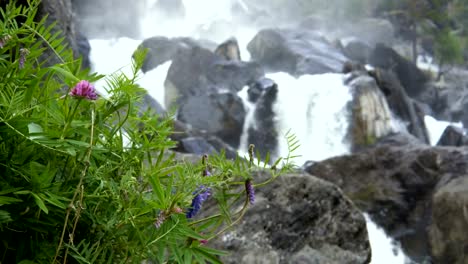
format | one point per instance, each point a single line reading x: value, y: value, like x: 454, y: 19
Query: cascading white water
x: 313, y: 107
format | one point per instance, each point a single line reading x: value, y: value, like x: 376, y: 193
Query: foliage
x: 73, y: 189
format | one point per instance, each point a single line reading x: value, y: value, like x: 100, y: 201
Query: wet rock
x: 452, y: 136
x: 448, y: 239
x: 218, y: 114
x: 148, y: 103
x: 402, y: 188
x: 196, y: 145
x: 297, y: 52
x: 182, y: 131
x: 199, y: 71
x: 298, y: 219
x: 162, y: 49
x: 401, y: 104
x: 263, y: 133
x: 357, y: 50
x: 411, y: 77
x: 229, y: 50
x: 259, y: 87
x: 371, y: 116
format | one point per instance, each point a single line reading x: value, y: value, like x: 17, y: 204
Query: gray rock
x: 229, y: 50
x: 298, y: 218
x: 199, y: 71
x: 371, y: 116
x: 452, y: 136
x: 408, y: 190
x: 218, y: 114
x: 411, y: 77
x: 294, y: 51
x: 401, y: 104
x: 449, y: 227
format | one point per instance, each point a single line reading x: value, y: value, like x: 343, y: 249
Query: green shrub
x: 72, y: 190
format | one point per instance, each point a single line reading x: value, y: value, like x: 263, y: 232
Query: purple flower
x: 22, y: 58
x: 202, y: 194
x: 4, y: 40
x: 160, y: 220
x: 84, y: 89
x: 206, y: 172
x: 249, y: 189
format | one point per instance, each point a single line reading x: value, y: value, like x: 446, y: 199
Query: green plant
x: 72, y: 190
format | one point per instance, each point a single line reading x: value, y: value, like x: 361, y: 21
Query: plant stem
x: 77, y: 191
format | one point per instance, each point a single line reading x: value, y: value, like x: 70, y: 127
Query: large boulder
x: 401, y: 187
x: 298, y: 219
x: 411, y: 77
x: 401, y: 104
x: 61, y: 13
x: 449, y: 225
x: 452, y: 136
x: 371, y: 116
x: 162, y: 49
x: 295, y: 51
x: 198, y: 71
x: 222, y: 115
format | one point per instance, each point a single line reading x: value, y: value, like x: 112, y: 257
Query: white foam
x: 436, y: 128
x: 314, y: 108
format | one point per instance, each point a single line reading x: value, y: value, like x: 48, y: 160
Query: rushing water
x: 313, y: 107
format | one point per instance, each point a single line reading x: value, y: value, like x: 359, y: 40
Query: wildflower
x: 249, y: 189
x: 177, y: 210
x: 160, y: 219
x: 206, y: 172
x: 84, y: 89
x: 22, y: 59
x: 4, y: 40
x: 203, y: 241
x: 202, y: 194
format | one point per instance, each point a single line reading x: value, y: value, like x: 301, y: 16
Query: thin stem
x: 77, y: 191
x: 243, y: 210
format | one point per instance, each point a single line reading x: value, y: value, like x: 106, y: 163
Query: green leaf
x: 8, y: 200
x: 65, y: 73
x: 5, y: 217
x: 40, y: 203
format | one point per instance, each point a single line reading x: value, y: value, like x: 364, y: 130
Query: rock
x: 107, y: 19
x: 229, y: 50
x: 371, y: 116
x: 196, y: 145
x: 259, y: 87
x: 411, y: 77
x: 218, y: 114
x: 357, y: 50
x: 448, y: 239
x: 401, y: 187
x: 263, y: 133
x: 162, y: 49
x: 298, y: 219
x: 296, y: 52
x: 452, y: 136
x: 401, y: 104
x: 199, y: 71
x: 59, y: 12
x: 182, y: 131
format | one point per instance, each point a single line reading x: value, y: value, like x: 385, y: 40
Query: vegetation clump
x: 88, y: 178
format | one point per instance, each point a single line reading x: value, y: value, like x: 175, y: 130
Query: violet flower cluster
x: 84, y: 89
x: 22, y: 59
x: 202, y: 194
x: 249, y: 189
